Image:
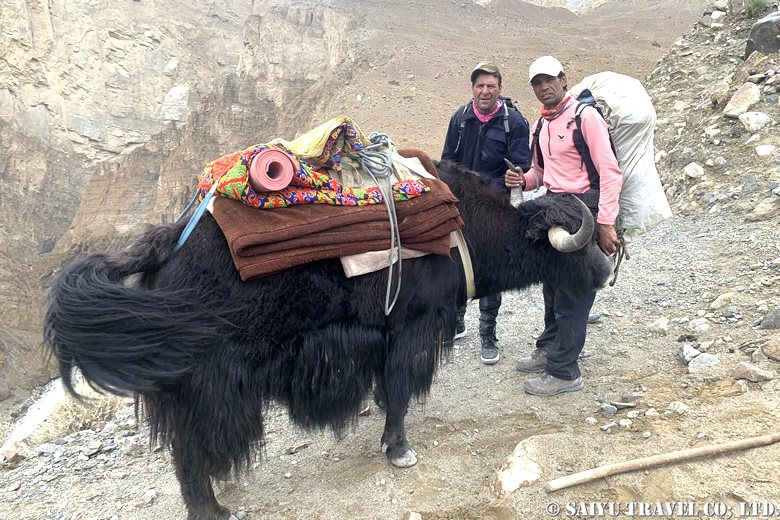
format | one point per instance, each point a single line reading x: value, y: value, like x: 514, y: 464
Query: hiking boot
x: 594, y: 317
x: 547, y: 385
x: 490, y: 354
x: 460, y: 327
x: 536, y: 362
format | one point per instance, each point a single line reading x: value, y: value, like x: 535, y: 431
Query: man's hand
x: 608, y: 239
x: 514, y: 178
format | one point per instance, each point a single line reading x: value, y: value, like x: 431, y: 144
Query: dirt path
x: 475, y: 414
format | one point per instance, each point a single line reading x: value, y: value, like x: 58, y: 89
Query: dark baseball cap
x: 485, y: 67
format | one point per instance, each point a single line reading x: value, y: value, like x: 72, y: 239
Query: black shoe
x: 460, y: 327
x: 490, y: 354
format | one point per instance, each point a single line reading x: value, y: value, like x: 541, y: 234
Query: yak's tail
x: 126, y: 339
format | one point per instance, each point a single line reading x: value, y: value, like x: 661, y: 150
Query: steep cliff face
x: 109, y: 109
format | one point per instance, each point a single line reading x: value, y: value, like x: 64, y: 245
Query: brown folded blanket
x: 419, y: 227
x: 245, y: 229
x: 264, y: 242
x: 264, y: 265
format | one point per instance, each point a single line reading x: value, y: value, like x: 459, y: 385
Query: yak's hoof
x: 218, y: 513
x: 405, y: 460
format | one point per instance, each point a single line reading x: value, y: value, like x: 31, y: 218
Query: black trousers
x: 565, y: 323
x: 566, y: 317
x: 488, y: 312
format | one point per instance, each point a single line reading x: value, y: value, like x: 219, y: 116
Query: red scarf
x: 485, y: 118
x: 551, y: 113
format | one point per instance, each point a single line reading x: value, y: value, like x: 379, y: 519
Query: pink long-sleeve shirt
x: 564, y: 171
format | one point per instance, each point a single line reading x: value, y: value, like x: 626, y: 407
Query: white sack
x: 631, y: 118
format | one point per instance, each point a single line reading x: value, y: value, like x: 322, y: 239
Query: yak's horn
x: 564, y: 241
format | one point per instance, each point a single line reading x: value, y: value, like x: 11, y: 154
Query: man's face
x: 549, y: 89
x: 486, y: 90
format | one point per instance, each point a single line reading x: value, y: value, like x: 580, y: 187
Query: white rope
x: 376, y: 160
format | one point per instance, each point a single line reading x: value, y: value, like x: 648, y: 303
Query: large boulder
x: 764, y: 35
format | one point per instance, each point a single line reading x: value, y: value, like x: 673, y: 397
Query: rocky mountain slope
x: 719, y: 147
x: 108, y: 111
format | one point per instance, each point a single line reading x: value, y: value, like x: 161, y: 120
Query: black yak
x: 204, y: 353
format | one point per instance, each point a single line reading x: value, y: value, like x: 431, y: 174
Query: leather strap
x: 460, y: 242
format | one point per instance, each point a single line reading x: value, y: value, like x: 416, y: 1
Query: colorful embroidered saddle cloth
x: 316, y: 218
x: 317, y: 157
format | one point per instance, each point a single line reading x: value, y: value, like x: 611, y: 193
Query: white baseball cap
x: 544, y: 65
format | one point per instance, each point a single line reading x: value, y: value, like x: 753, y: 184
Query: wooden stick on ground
x: 659, y: 460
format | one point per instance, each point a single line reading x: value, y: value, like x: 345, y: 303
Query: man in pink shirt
x: 558, y: 165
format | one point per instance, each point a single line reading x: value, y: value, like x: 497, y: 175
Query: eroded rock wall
x: 108, y: 111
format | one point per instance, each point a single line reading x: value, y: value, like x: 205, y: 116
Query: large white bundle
x: 631, y: 118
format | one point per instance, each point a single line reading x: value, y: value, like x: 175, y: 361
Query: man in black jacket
x: 480, y: 136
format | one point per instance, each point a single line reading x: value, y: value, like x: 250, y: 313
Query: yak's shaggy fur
x: 205, y: 352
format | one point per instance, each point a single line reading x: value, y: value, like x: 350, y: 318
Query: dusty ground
x: 475, y: 414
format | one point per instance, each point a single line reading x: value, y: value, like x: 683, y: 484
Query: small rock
x: 93, y: 448
x: 754, y: 121
x: 764, y: 210
x: 411, y: 515
x: 652, y: 412
x: 16, y: 452
x: 693, y: 170
x: 753, y: 373
x: 47, y: 449
x: 625, y: 423
x: 678, y: 408
x: 519, y: 469
x: 609, y: 427
x: 660, y: 326
x: 687, y: 353
x: 772, y: 350
x: 698, y: 325
x: 591, y: 421
x: 722, y: 300
x: 646, y: 435
x: 608, y: 410
x: 771, y: 320
x: 745, y: 97
x: 295, y: 449
x: 702, y: 363
x: 705, y: 346
x: 633, y: 414
x: 149, y: 496
x: 758, y: 356
x: 765, y: 150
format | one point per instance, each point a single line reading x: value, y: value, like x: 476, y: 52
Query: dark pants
x: 566, y: 316
x: 565, y: 321
x: 488, y: 312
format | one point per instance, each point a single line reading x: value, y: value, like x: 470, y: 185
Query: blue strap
x: 195, y: 217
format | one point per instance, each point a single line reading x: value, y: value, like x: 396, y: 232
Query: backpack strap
x: 582, y: 146
x: 461, y: 124
x: 535, y: 143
